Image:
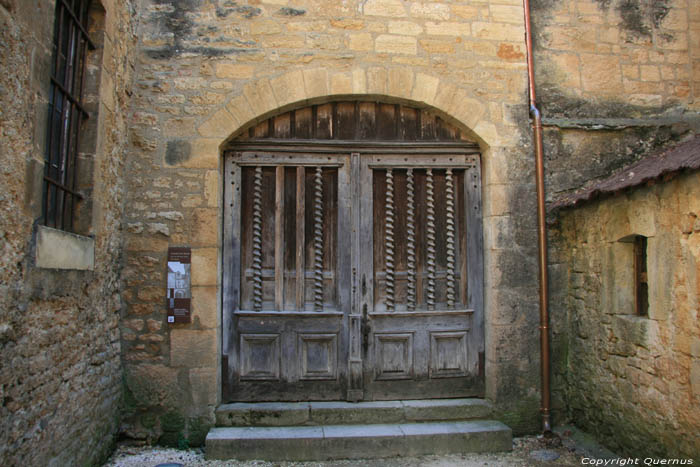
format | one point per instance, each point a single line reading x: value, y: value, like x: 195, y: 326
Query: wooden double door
x: 352, y: 276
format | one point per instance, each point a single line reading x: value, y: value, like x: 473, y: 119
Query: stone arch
x: 265, y: 97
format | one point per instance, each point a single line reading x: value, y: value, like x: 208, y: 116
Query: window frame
x: 66, y: 114
x: 641, y: 281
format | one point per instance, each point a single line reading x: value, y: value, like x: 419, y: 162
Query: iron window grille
x: 66, y: 113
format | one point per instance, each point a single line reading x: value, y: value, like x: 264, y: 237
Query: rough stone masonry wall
x: 207, y: 69
x: 637, y: 379
x: 60, y: 367
x: 615, y: 79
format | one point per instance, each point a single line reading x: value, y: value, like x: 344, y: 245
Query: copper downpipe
x: 541, y: 229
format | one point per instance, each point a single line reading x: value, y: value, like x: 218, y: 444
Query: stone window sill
x: 57, y: 249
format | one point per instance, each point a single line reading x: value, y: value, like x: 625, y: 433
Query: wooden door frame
x: 231, y: 240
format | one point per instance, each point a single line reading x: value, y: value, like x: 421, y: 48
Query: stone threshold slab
x: 339, y: 412
x: 357, y: 441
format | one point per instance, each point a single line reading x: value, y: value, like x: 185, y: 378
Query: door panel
x: 422, y: 331
x: 352, y: 277
x: 288, y: 337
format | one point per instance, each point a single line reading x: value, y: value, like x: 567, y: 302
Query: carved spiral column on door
x: 318, y: 240
x: 257, y: 241
x: 450, y: 205
x: 430, y: 237
x: 410, y: 241
x: 389, y: 241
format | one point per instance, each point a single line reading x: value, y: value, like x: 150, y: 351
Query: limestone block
x: 406, y: 28
x: 348, y: 23
x: 106, y: 91
x: 507, y: 343
x: 203, y: 153
x: 205, y: 229
x: 193, y: 349
x: 234, y: 71
x: 289, y: 87
x: 507, y: 13
x: 498, y: 31
x: 265, y: 27
x: 498, y: 232
x: 211, y: 188
x: 400, y: 82
x: 396, y: 44
x: 488, y: 133
x: 465, y: 11
x: 316, y: 82
x: 361, y: 41
x: 205, y: 266
x: 445, y: 95
x: 470, y: 112
x: 425, y: 88
x: 146, y: 243
x: 203, y: 384
x: 260, y: 97
x: 153, y: 385
x: 566, y: 70
x: 221, y: 124
x: 495, y: 202
x: 376, y: 80
x: 649, y: 73
x: 601, y: 73
x: 341, y: 83
x: 695, y: 347
x: 392, y: 8
x: 436, y: 46
x: 446, y: 28
x: 359, y: 81
x: 642, y: 215
x: 205, y: 306
x: 240, y: 110
x: 285, y: 41
x: 439, y: 11
x: 695, y: 377
x: 57, y: 249
x: 308, y: 26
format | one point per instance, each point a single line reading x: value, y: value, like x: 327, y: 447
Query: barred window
x: 66, y: 113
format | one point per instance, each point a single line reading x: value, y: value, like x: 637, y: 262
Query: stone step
x: 324, y: 442
x: 350, y: 413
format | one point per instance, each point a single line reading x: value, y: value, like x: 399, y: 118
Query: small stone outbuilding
x: 633, y: 304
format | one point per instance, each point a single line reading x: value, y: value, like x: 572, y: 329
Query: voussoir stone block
x: 316, y: 82
x: 220, y: 124
x: 289, y: 87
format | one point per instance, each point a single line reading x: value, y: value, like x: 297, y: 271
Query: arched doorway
x: 353, y: 263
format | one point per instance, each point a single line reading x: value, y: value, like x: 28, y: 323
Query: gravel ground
x: 527, y: 451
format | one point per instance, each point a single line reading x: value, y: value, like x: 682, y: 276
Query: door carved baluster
x: 300, y: 234
x: 257, y: 241
x: 450, y: 205
x: 318, y: 240
x: 389, y: 241
x: 430, y: 237
x: 410, y: 241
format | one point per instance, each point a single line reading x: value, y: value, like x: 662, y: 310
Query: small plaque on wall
x: 179, y: 297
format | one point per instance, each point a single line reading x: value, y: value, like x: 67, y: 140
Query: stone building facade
x: 183, y: 77
x: 60, y: 377
x: 634, y: 375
